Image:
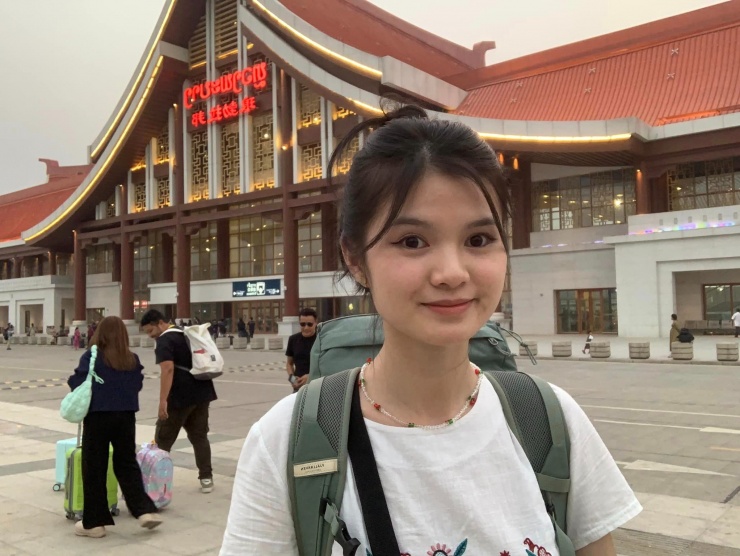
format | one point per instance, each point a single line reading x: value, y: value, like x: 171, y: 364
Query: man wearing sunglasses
x: 299, y: 349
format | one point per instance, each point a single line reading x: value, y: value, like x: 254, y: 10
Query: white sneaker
x: 95, y: 532
x: 150, y: 521
x: 206, y: 485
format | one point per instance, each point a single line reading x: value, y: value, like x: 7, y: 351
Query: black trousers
x: 194, y: 419
x: 119, y: 429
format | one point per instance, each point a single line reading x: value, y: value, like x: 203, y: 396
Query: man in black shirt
x: 183, y: 399
x: 299, y: 349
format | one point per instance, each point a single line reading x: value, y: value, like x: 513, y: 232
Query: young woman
x: 422, y: 232
x: 76, y: 339
x: 111, y: 421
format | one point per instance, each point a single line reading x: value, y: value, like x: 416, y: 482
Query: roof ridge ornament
x: 674, y: 51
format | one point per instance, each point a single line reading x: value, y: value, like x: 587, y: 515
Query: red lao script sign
x: 230, y: 83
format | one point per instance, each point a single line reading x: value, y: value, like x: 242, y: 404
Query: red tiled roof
x: 23, y: 209
x: 366, y: 27
x: 686, y: 77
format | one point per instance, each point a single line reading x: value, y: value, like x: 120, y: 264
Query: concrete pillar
x: 116, y: 254
x: 17, y: 263
x: 329, y: 238
x: 283, y: 164
x: 52, y: 263
x: 223, y: 252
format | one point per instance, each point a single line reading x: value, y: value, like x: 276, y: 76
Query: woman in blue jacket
x: 111, y: 420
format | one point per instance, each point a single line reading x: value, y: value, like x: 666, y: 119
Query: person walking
x: 241, y: 328
x: 251, y: 325
x: 183, y: 400
x: 422, y: 234
x: 589, y: 339
x: 675, y: 331
x: 111, y: 420
x: 76, y: 339
x: 298, y: 352
x: 736, y: 321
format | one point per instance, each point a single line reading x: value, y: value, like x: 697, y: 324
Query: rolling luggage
x: 157, y: 472
x: 63, y: 446
x: 73, y: 491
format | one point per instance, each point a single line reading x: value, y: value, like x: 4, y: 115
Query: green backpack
x: 317, y: 455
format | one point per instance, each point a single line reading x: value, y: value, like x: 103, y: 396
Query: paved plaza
x: 673, y: 428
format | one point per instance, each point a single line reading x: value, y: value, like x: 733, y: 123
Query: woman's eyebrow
x: 411, y: 221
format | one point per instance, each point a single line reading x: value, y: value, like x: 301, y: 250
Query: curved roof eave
x: 386, y: 70
x: 113, y: 146
x: 105, y: 136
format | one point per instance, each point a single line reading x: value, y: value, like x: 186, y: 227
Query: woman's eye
x: 412, y: 242
x: 480, y: 240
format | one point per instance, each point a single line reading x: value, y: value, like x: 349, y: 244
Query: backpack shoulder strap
x: 534, y: 415
x: 317, y: 463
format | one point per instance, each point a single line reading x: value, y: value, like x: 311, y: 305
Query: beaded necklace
x: 469, y: 402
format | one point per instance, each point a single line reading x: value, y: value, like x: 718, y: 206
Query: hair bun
x: 394, y: 110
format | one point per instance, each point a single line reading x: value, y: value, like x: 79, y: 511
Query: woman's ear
x: 355, y: 269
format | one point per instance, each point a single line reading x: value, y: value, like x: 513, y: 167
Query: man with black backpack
x: 183, y: 399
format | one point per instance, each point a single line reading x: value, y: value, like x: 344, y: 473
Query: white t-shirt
x: 736, y: 318
x: 467, y: 489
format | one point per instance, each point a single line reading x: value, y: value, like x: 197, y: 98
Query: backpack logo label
x: 313, y: 468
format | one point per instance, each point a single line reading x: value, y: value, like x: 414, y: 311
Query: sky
x: 65, y: 63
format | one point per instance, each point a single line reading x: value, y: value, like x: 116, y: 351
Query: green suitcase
x: 73, y: 491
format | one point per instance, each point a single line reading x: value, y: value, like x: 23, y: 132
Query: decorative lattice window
x: 695, y: 185
x: 197, y: 45
x: 230, y: 160
x: 345, y: 161
x: 163, y: 145
x: 226, y: 28
x: 311, y: 162
x: 309, y: 107
x: 163, y: 192
x: 139, y: 197
x: 263, y: 154
x: 340, y: 113
x: 199, y: 173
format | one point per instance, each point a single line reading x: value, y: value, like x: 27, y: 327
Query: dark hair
x: 674, y: 316
x: 308, y: 312
x: 403, y: 146
x: 111, y: 337
x: 152, y: 316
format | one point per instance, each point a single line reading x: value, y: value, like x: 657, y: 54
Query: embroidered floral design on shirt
x: 534, y: 549
x: 439, y: 550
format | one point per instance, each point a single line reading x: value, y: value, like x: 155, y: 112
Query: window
x: 99, y: 259
x: 696, y: 185
x: 310, y: 248
x: 204, y: 254
x: 256, y: 244
x: 596, y: 199
x: 720, y: 301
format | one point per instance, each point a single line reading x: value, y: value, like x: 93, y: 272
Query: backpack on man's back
x: 208, y: 362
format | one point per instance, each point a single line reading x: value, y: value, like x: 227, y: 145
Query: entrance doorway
x: 582, y: 310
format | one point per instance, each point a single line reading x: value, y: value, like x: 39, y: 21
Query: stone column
x: 284, y: 164
x: 223, y: 252
x: 80, y: 263
x: 17, y: 263
x: 116, y: 273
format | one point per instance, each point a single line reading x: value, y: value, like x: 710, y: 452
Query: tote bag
x: 76, y: 404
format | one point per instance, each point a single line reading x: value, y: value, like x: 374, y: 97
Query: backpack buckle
x: 338, y: 528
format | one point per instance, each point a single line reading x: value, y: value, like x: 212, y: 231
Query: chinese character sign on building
x: 257, y: 288
x: 230, y: 83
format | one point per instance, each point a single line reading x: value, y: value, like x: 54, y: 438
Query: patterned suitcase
x: 157, y: 473
x: 73, y: 490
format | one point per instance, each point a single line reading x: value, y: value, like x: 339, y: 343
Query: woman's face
x: 438, y: 274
